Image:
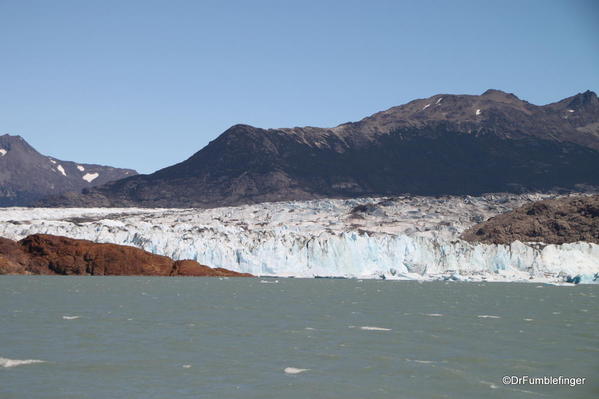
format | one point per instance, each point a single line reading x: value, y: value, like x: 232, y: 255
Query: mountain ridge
x: 444, y: 144
x: 26, y: 176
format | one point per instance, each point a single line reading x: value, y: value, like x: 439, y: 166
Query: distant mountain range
x: 445, y: 144
x: 26, y: 176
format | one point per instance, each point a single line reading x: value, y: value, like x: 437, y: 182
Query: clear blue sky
x: 145, y: 84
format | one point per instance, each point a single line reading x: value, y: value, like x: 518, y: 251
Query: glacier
x: 392, y: 238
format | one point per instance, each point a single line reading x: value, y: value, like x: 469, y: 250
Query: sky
x: 146, y: 84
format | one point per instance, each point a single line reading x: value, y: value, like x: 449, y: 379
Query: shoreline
x: 264, y: 279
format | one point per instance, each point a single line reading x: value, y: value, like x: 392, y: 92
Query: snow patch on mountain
x: 394, y: 238
x: 61, y: 170
x: 3, y: 152
x: 89, y: 177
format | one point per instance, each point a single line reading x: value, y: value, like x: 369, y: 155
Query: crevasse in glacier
x: 404, y: 237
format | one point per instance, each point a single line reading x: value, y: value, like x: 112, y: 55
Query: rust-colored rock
x: 11, y: 257
x: 555, y: 221
x: 49, y: 254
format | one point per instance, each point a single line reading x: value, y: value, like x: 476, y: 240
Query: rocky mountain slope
x: 26, y: 176
x: 445, y: 144
x: 551, y: 221
x: 47, y: 254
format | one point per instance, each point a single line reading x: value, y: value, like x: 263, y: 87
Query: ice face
x: 399, y: 238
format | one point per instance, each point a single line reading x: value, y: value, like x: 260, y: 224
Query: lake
x: 151, y: 337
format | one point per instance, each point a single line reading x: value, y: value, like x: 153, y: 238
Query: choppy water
x: 130, y: 337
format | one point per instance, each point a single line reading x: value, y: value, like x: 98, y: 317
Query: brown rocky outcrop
x: 554, y: 221
x: 49, y: 254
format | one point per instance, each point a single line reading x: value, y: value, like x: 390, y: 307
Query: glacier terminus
x: 406, y: 237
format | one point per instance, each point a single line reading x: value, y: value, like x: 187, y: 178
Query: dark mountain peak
x: 588, y: 98
x: 241, y: 127
x: 501, y: 96
x: 9, y: 138
x: 580, y: 111
x: 27, y: 176
x: 494, y: 92
x: 590, y: 95
x: 239, y: 131
x: 15, y: 144
x: 446, y: 109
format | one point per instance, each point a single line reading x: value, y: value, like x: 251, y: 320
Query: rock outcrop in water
x: 444, y: 144
x: 551, y: 221
x: 48, y: 254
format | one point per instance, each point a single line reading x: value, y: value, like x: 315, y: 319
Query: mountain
x: 26, y: 176
x: 445, y: 144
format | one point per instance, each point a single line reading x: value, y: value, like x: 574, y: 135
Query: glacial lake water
x: 135, y: 337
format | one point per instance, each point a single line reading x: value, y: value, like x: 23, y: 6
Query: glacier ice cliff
x: 395, y: 238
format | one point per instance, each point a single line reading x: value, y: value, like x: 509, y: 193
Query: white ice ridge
x: 398, y: 238
x: 81, y: 168
x: 61, y: 170
x: 3, y: 152
x: 90, y: 177
x: 478, y: 112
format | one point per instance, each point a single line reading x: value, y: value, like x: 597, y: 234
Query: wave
x: 7, y: 363
x: 369, y: 328
x: 293, y: 370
